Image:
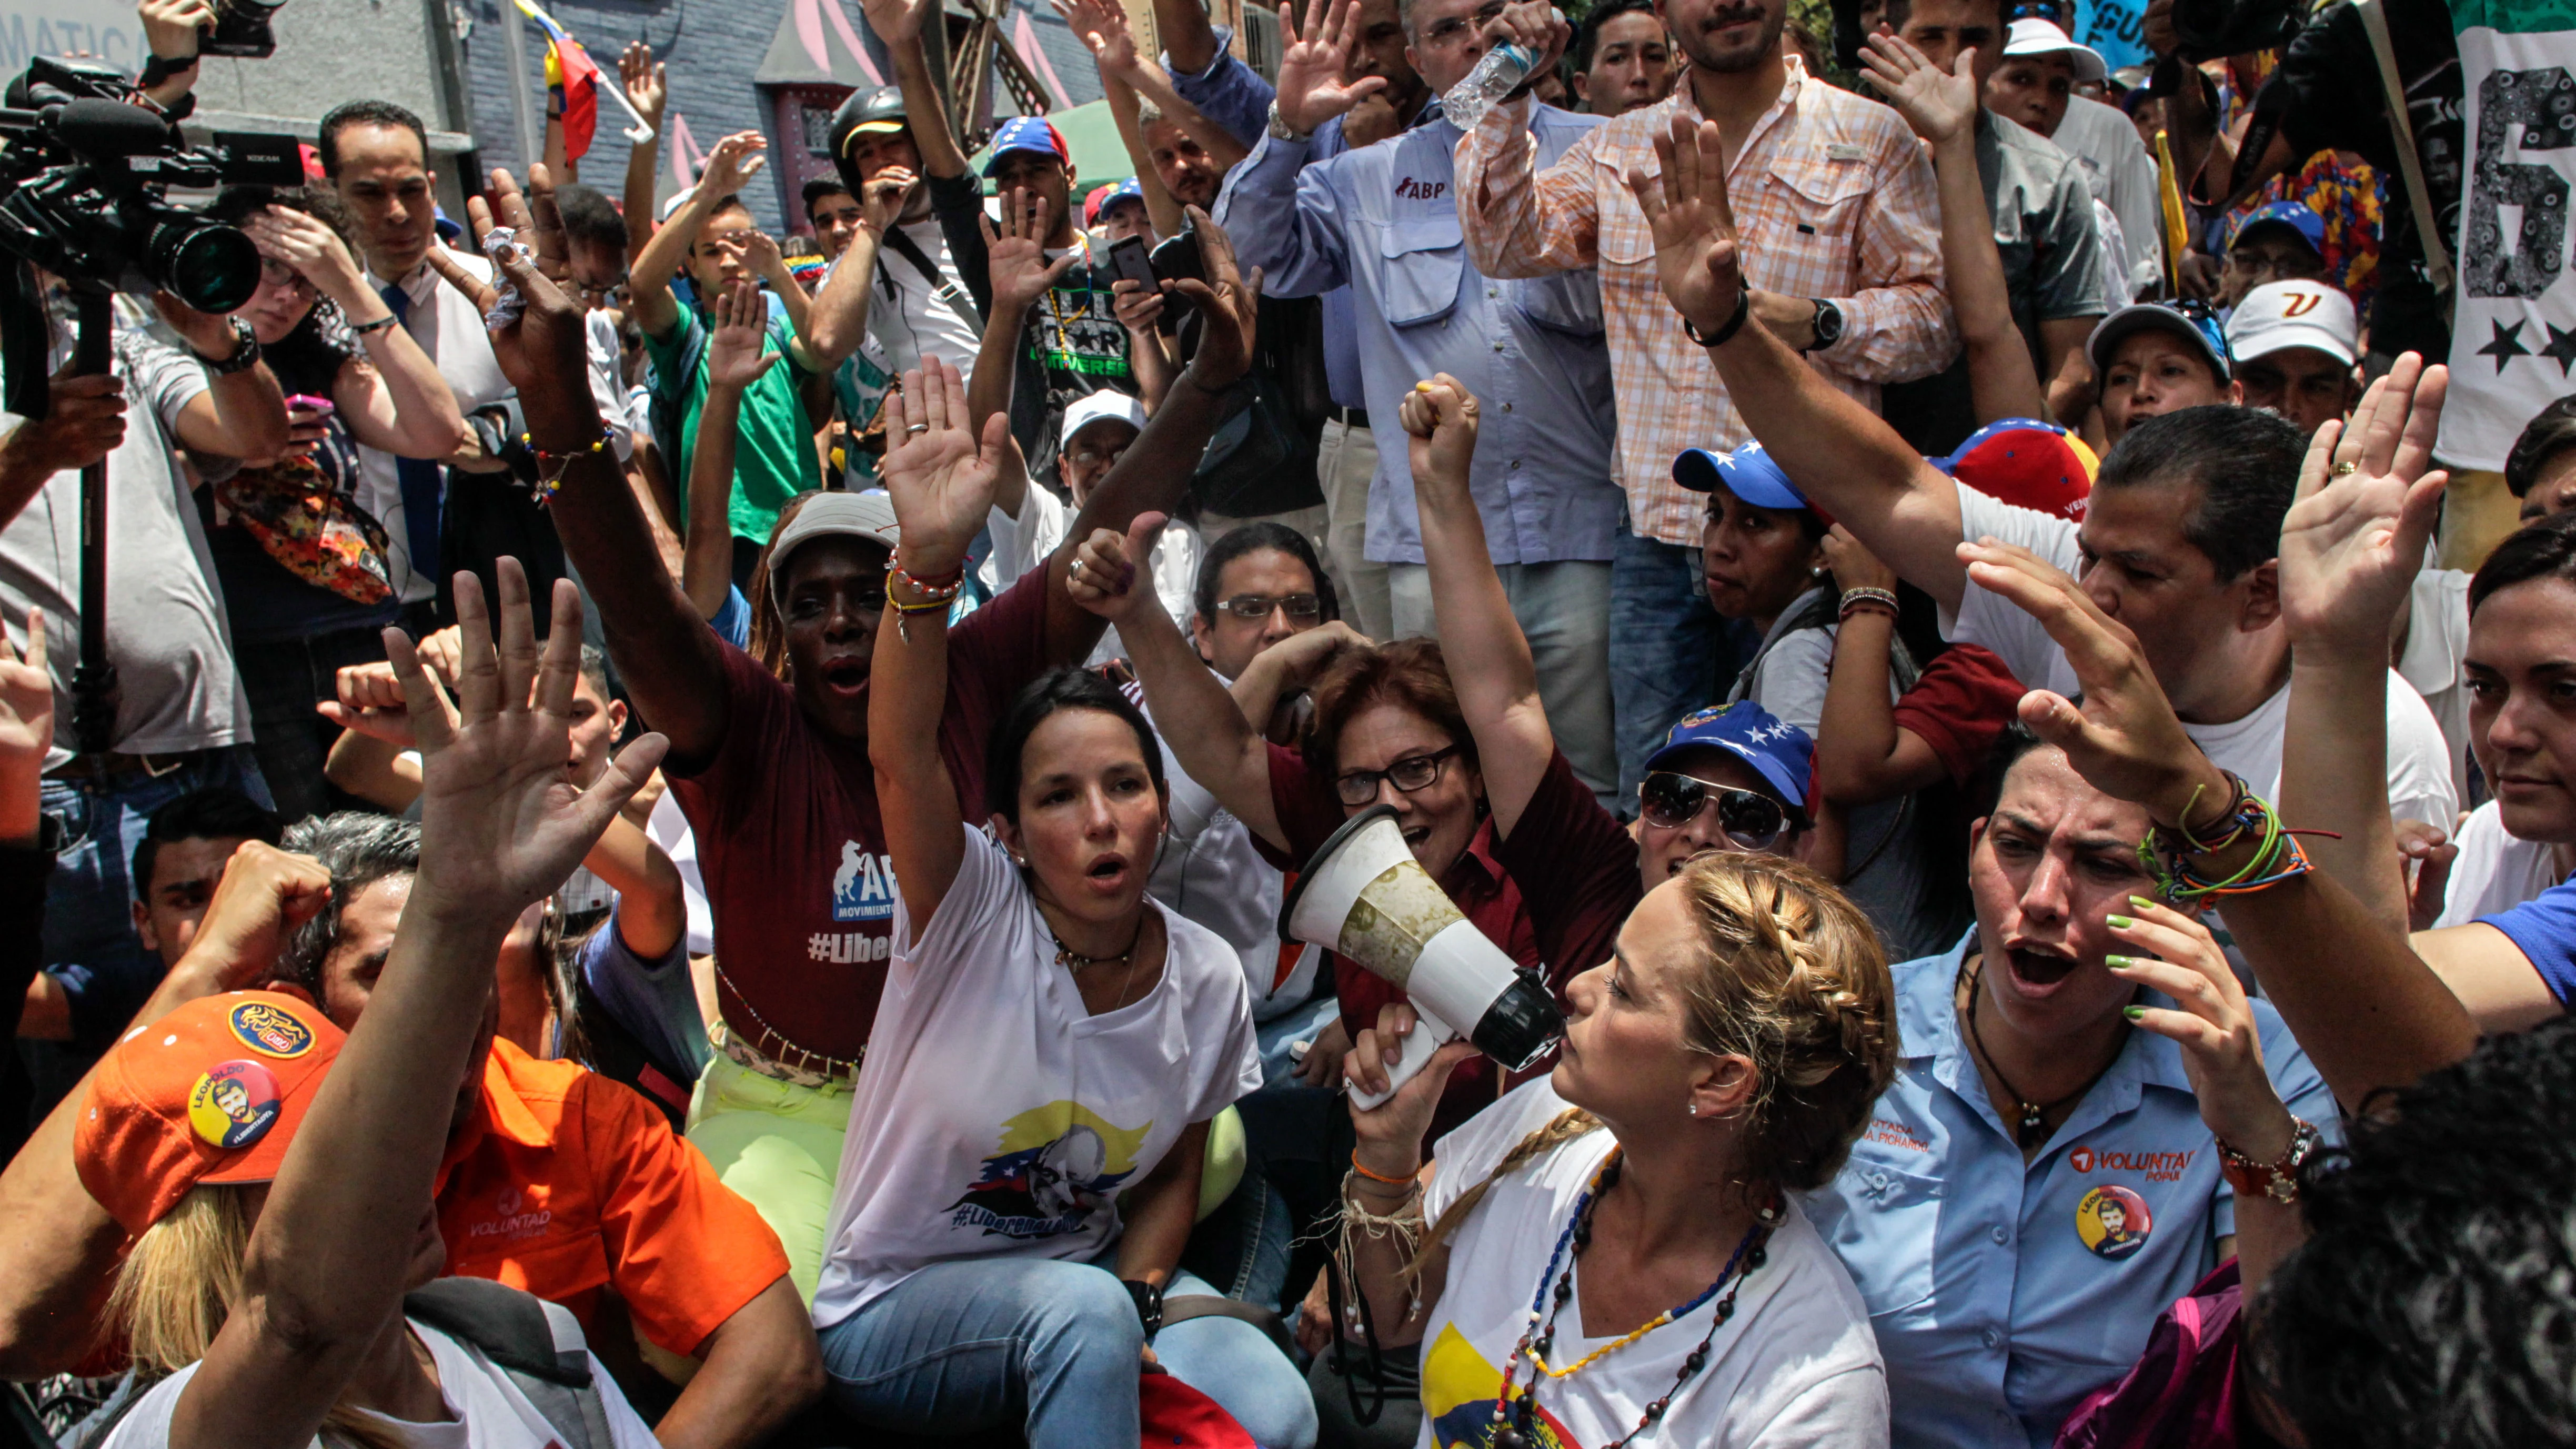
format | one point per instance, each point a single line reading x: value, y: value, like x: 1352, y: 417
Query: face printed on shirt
x: 1057, y: 1165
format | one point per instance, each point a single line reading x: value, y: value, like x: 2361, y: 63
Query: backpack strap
x: 537, y: 1343
x: 2401, y: 129
x: 940, y: 287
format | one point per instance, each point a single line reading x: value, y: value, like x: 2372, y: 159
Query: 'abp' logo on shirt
x: 863, y: 888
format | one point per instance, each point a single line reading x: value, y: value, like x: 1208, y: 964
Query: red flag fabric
x: 571, y: 73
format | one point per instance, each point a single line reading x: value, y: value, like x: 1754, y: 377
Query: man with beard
x: 1843, y: 225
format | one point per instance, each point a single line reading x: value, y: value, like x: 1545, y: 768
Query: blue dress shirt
x: 1384, y: 220
x: 2004, y: 1292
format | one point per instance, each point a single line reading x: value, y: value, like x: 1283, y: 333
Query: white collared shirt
x: 449, y: 327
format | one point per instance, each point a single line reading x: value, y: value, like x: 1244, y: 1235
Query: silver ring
x: 1077, y: 566
x: 2345, y: 470
x: 916, y: 428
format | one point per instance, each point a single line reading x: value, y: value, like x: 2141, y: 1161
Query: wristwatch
x: 1828, y: 326
x: 2279, y: 1180
x: 1149, y: 1305
x: 245, y: 355
x: 1282, y: 130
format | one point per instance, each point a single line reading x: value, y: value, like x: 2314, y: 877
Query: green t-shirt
x: 773, y: 455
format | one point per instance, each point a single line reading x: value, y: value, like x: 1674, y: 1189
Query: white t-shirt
x: 1796, y: 1365
x: 996, y: 1116
x: 2419, y: 769
x: 1021, y: 544
x: 486, y: 1410
x: 166, y: 627
x: 2123, y: 176
x: 910, y: 318
x: 2495, y: 871
x: 2437, y: 639
x: 447, y: 325
x: 607, y: 364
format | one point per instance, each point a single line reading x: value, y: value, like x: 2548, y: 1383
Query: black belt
x: 1352, y: 417
x: 113, y: 765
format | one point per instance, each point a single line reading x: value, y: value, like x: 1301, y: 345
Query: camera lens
x: 209, y: 266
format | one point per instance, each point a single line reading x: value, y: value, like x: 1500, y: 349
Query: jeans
x: 1670, y: 652
x: 1564, y: 611
x: 285, y: 678
x: 90, y: 946
x: 1055, y: 1347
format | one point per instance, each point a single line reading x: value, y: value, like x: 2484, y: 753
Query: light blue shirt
x: 1383, y: 219
x: 1998, y: 1296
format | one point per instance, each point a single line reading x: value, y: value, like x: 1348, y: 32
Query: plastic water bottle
x: 1497, y: 75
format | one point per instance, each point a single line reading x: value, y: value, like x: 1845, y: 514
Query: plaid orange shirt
x: 1833, y: 197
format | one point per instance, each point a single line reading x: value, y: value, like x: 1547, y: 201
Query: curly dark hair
x: 2433, y: 1305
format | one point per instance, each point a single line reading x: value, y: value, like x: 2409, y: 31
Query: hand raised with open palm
x: 2353, y: 542
x: 940, y: 474
x: 1696, y: 254
x: 1313, y: 83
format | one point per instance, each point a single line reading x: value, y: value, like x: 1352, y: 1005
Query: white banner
x: 2513, y: 334
x: 107, y: 30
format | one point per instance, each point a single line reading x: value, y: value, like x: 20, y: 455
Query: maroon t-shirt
x: 1964, y: 702
x: 1576, y: 869
x: 1308, y: 814
x: 794, y: 851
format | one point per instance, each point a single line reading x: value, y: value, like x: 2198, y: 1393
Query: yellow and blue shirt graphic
x: 1055, y: 1166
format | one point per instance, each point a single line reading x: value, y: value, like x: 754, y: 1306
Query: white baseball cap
x: 867, y: 516
x: 2034, y: 36
x: 2281, y: 315
x: 1100, y: 407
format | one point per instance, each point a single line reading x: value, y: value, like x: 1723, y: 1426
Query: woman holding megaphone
x: 1612, y: 1255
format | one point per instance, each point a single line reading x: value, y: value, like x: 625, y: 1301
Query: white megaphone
x: 1364, y: 895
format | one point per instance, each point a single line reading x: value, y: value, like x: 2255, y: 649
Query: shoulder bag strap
x: 2437, y: 253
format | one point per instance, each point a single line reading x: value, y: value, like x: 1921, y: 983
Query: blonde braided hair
x: 1794, y: 980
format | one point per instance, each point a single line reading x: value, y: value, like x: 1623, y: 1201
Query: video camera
x: 85, y: 172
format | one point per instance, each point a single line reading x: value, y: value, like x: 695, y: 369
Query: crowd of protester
x: 693, y: 843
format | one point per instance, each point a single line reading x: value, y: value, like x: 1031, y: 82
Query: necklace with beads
x: 1514, y: 1417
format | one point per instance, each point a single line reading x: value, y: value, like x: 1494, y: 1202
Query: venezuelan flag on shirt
x: 571, y: 74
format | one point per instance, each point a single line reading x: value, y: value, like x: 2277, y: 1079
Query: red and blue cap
x: 2298, y: 216
x: 2027, y: 463
x: 1027, y: 133
x: 1104, y: 197
x: 1780, y: 752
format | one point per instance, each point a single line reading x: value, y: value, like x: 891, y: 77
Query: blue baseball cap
x: 1748, y: 472
x: 448, y: 230
x: 2189, y: 319
x: 2298, y: 216
x: 1027, y: 133
x: 1779, y: 752
x: 1109, y: 196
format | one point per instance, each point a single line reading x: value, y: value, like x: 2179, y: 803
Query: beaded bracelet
x: 550, y: 478
x: 927, y: 597
x: 1861, y: 598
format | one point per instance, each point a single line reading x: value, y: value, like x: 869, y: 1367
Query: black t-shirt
x: 2327, y: 96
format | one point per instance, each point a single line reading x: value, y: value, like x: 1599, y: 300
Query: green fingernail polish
x: 2133, y: 1013
x: 2116, y: 962
x: 2142, y: 903
x: 2120, y: 922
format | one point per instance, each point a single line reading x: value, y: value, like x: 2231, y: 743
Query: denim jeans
x: 285, y: 678
x: 1670, y: 653
x: 90, y: 945
x: 980, y: 1344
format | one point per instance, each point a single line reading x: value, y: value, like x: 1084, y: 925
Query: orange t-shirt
x: 564, y: 1183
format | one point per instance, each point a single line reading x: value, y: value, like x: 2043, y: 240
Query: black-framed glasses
x: 1750, y: 818
x: 1258, y: 606
x: 1413, y: 772
x: 278, y: 274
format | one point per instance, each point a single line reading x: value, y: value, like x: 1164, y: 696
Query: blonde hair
x: 1794, y: 981
x: 180, y: 1282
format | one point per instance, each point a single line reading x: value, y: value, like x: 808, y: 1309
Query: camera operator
x: 182, y: 721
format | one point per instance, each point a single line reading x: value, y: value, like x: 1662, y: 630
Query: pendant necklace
x: 2031, y: 1132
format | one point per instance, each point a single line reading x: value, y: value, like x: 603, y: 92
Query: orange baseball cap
x: 212, y: 1092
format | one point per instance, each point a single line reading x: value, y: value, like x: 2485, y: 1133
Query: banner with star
x: 2513, y: 334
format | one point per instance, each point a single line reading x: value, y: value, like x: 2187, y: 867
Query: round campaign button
x: 270, y: 1030
x: 2113, y: 1222
x: 234, y: 1105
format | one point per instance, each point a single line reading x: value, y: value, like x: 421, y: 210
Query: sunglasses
x: 1258, y: 606
x: 1749, y: 818
x: 1413, y: 772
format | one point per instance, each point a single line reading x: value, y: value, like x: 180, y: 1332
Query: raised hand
x: 735, y: 160
x: 263, y: 895
x: 500, y: 825
x: 2222, y: 1052
x: 1312, y: 88
x: 545, y: 349
x: 170, y: 27
x: 1938, y: 105
x: 896, y: 22
x: 1853, y: 565
x: 1016, y: 254
x: 1696, y: 257
x: 1105, y: 568
x: 648, y: 87
x: 2124, y: 738
x: 1229, y: 306
x: 26, y: 702
x: 310, y: 246
x: 760, y: 255
x: 1536, y: 26
x: 737, y: 352
x: 2353, y: 541
x: 882, y: 197
x: 940, y: 474
x: 1103, y: 27
x: 1439, y: 416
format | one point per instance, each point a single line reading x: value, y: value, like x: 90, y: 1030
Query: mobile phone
x: 1130, y: 262
x: 310, y: 403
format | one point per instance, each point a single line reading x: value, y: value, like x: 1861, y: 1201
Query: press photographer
x: 179, y: 723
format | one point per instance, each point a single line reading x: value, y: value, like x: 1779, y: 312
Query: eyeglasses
x: 1413, y: 772
x: 1449, y: 31
x: 274, y: 273
x: 1259, y: 606
x: 1750, y: 818
x: 1098, y: 457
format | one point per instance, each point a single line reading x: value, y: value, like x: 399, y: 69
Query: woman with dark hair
x: 1023, y: 1159
x: 1720, y: 1064
x: 300, y: 557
